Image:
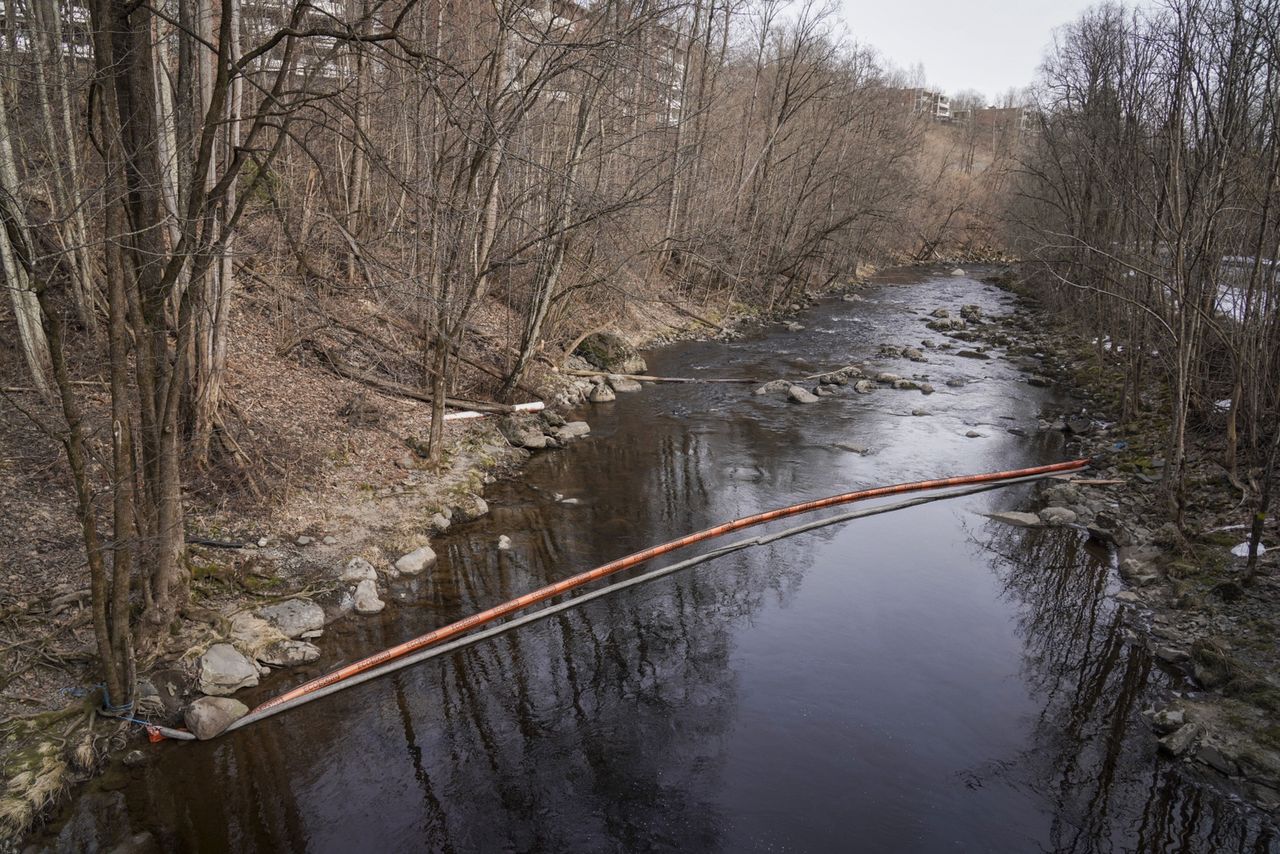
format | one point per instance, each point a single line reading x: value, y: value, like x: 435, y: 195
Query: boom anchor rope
x: 434, y: 643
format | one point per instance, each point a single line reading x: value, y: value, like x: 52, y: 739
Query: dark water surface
x: 921, y: 681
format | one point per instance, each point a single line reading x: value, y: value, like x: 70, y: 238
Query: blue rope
x: 122, y: 711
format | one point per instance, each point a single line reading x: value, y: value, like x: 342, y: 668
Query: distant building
x: 925, y: 102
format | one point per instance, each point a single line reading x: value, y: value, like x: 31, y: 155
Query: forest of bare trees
x: 1149, y: 199
x: 483, y: 181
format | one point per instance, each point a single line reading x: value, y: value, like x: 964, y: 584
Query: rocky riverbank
x: 1217, y: 637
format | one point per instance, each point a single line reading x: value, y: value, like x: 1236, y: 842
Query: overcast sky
x: 988, y: 45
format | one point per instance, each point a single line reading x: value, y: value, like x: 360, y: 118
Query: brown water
x: 921, y: 681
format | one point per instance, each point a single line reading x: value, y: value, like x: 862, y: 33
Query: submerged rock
x: 208, y: 717
x: 225, y: 670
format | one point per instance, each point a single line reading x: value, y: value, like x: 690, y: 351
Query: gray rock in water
x: 864, y: 387
x: 224, y: 670
x: 920, y: 413
x: 957, y: 382
x: 957, y: 272
x: 602, y: 394
x: 973, y: 434
x: 1181, y: 740
x: 289, y: 653
x: 573, y: 430
x: 1039, y: 381
x: 926, y: 388
x: 914, y: 355
x: 971, y: 312
x: 439, y: 523
x: 906, y: 385
x: 940, y: 313
x: 294, y: 617
x: 1021, y: 520
x: 366, y: 598
x: 504, y: 542
x: 416, y: 561
x: 972, y: 354
x: 357, y: 570
x: 798, y: 395
x: 887, y: 378
x: 792, y: 326
x: 624, y: 384
x: 774, y: 387
x: 824, y: 391
x: 1057, y: 516
x: 208, y: 717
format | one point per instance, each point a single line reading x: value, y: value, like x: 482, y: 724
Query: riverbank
x: 1217, y: 637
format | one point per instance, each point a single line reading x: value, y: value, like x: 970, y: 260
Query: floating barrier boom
x: 433, y: 643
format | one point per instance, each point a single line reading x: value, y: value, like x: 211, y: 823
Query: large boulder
x: 414, y: 562
x: 610, y: 352
x: 225, y: 670
x: 208, y: 717
x: 295, y: 618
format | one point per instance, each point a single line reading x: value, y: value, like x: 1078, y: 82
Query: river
x: 920, y: 681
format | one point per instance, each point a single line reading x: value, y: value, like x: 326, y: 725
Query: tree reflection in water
x: 1094, y: 758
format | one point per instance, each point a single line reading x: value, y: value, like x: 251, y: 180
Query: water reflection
x: 1093, y: 759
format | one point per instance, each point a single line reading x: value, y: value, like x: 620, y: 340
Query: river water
x: 921, y: 681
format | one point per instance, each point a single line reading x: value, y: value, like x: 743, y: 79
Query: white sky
x: 988, y: 45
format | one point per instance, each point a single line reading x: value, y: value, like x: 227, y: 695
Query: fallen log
x: 646, y: 378
x: 334, y: 364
